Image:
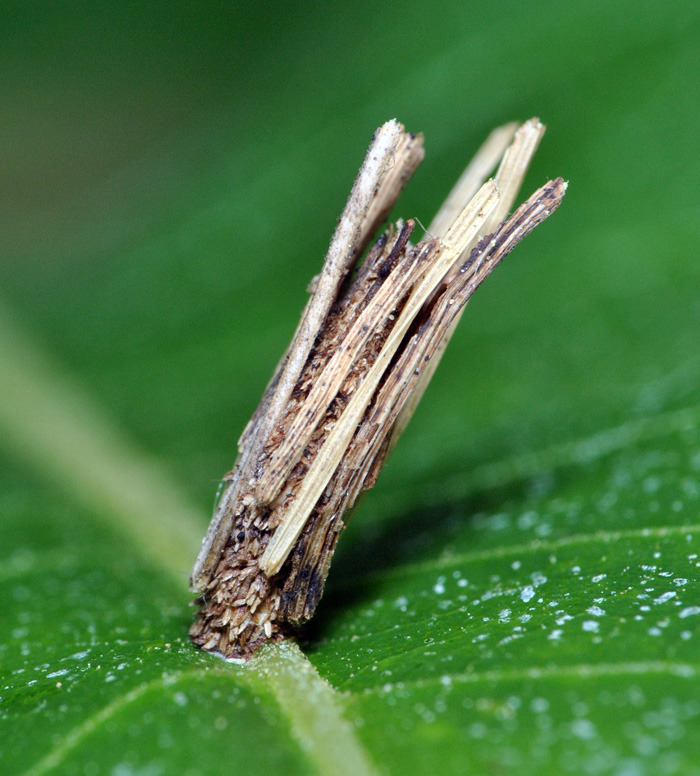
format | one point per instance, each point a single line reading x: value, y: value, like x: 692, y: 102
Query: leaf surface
x: 521, y: 591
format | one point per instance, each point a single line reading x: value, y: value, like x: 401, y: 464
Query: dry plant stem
x: 306, y: 457
x: 472, y: 179
x: 515, y: 160
x: 466, y: 227
x: 338, y: 439
x: 390, y: 161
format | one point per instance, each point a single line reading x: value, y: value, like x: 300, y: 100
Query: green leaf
x: 522, y: 589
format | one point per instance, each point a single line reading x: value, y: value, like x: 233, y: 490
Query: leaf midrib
x: 44, y: 414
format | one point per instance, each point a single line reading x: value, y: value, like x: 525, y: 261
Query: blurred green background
x: 170, y: 176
